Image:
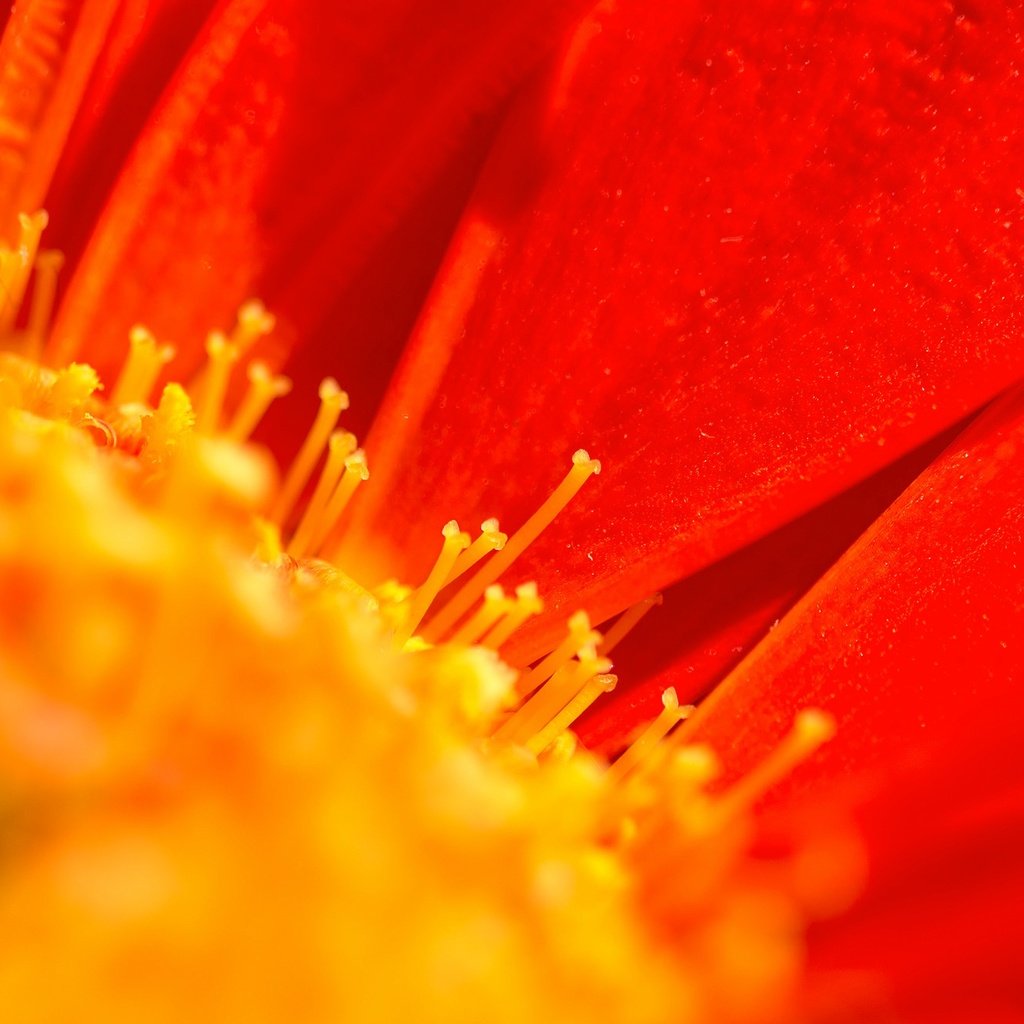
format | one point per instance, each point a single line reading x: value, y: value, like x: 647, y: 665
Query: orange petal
x: 746, y: 277
x: 46, y: 57
x: 288, y: 143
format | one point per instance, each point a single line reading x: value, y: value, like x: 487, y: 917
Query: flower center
x: 208, y: 711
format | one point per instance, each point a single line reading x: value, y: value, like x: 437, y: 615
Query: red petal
x: 772, y: 251
x: 940, y: 926
x: 146, y: 42
x: 710, y: 620
x: 46, y: 57
x: 288, y: 143
x: 912, y: 640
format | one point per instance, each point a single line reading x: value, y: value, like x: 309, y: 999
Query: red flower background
x: 762, y: 262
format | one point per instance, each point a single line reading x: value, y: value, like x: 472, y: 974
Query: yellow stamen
x: 592, y: 689
x: 44, y: 295
x: 583, y: 468
x: 332, y: 402
x: 811, y: 728
x: 455, y: 542
x: 169, y: 426
x: 491, y: 539
x: 580, y: 635
x: 222, y: 357
x: 494, y: 606
x: 268, y: 543
x: 16, y: 266
x: 254, y: 322
x: 553, y: 696
x: 563, y: 748
x: 340, y: 445
x: 356, y: 472
x: 626, y: 622
x: 640, y: 749
x: 142, y: 367
x: 263, y: 388
x: 526, y: 605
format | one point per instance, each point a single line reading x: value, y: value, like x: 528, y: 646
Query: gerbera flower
x: 758, y: 263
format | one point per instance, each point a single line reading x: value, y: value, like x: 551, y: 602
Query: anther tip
x: 579, y: 621
x: 814, y: 725
x: 581, y: 457
x: 356, y: 463
x: 330, y: 392
x: 138, y: 334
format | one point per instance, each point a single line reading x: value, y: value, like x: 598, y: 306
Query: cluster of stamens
x: 461, y: 602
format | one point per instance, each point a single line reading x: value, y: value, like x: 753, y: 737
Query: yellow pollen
x: 16, y: 266
x: 640, y: 749
x: 527, y: 604
x: 263, y: 388
x: 340, y: 445
x: 592, y: 689
x: 145, y: 360
x: 494, y: 606
x: 222, y: 357
x: 583, y: 468
x: 332, y: 402
x: 356, y: 472
x: 455, y: 542
x: 44, y: 295
x: 579, y: 635
x: 811, y: 729
x: 254, y: 322
x: 554, y: 695
x: 491, y: 539
x: 626, y: 622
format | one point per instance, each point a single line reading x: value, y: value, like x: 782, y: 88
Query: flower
x: 744, y: 320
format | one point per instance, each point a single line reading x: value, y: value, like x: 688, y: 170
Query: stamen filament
x: 580, y: 635
x: 356, y: 472
x: 142, y: 367
x: 527, y: 604
x: 16, y: 267
x: 44, y: 296
x: 583, y: 467
x: 490, y: 539
x: 222, y: 357
x: 636, y: 752
x: 263, y: 388
x: 811, y: 728
x: 592, y: 689
x: 495, y: 605
x: 626, y: 622
x: 552, y: 697
x: 340, y: 445
x: 455, y: 542
x: 332, y: 401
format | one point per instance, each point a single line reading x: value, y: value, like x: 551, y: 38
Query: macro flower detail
x: 281, y: 737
